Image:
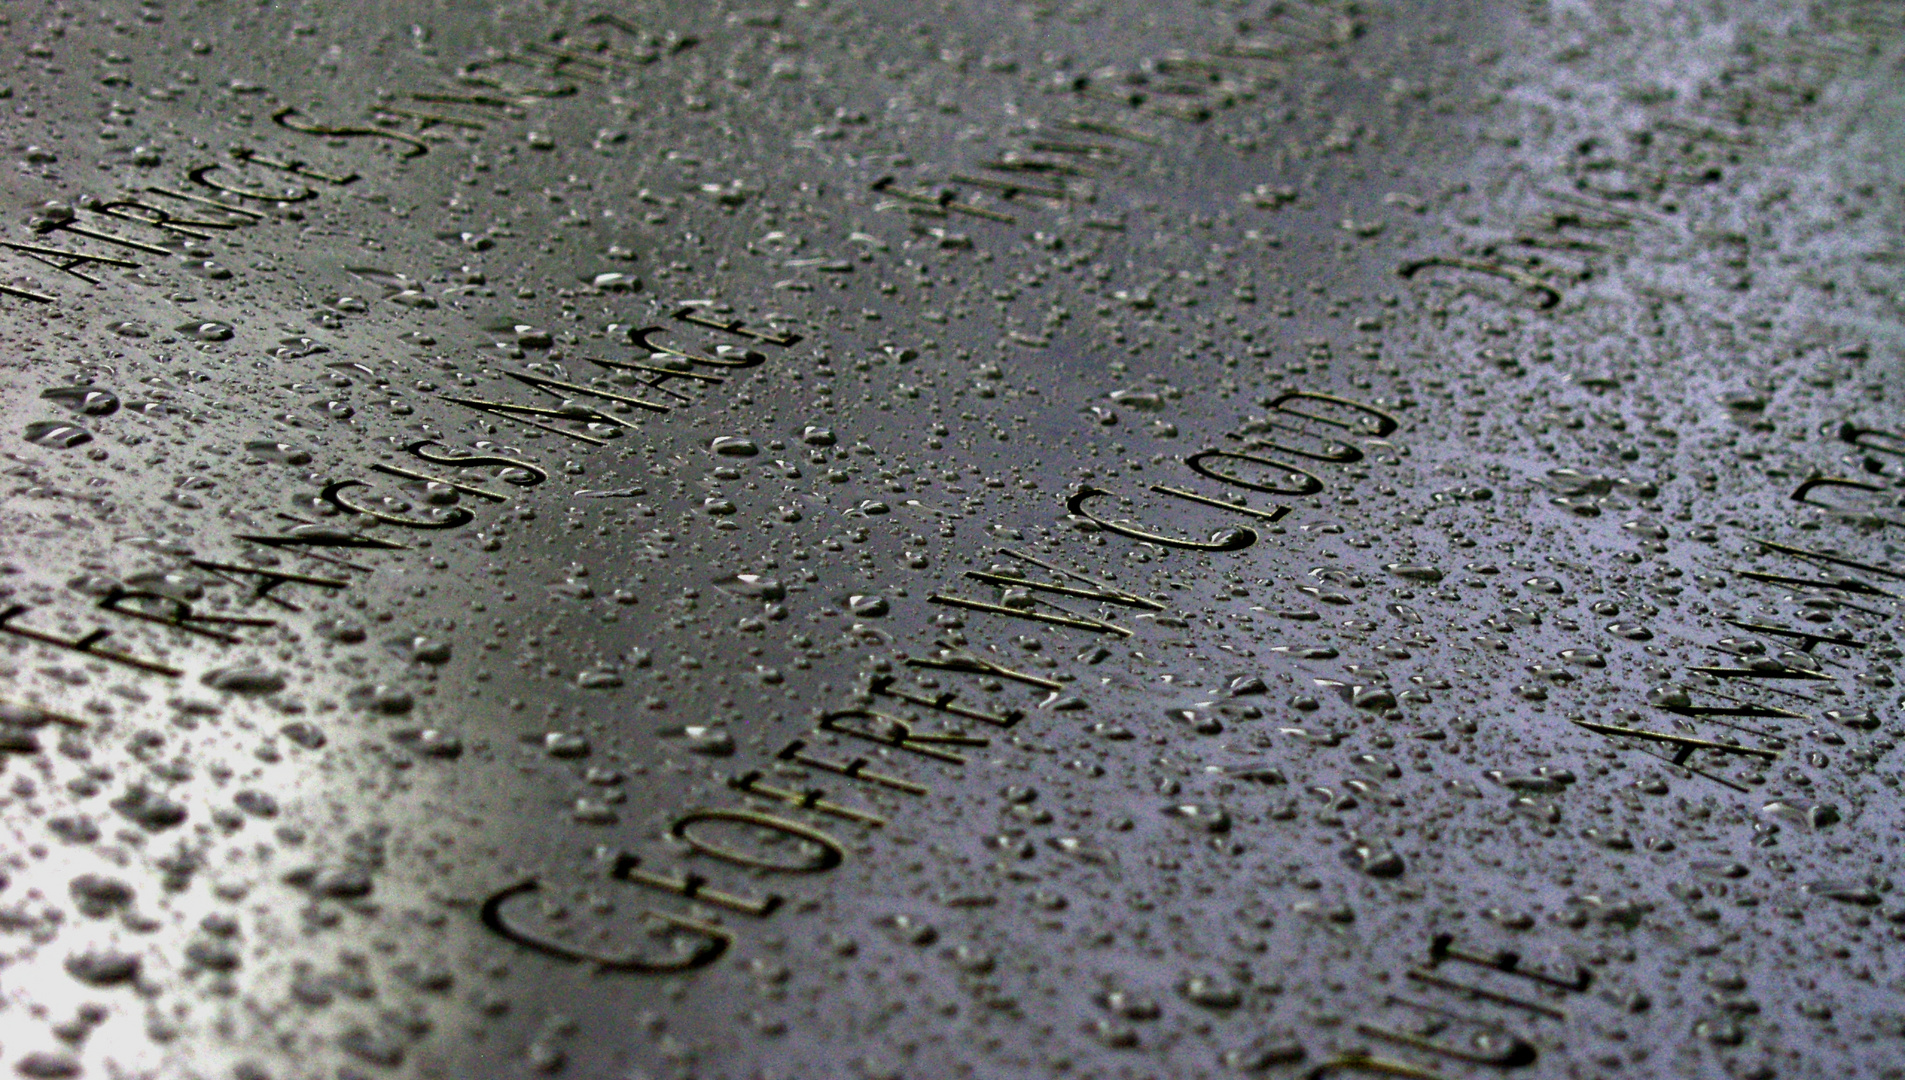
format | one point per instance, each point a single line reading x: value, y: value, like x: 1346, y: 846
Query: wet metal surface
x: 1056, y: 539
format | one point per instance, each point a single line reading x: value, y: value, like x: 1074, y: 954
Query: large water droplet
x: 277, y: 453
x: 752, y: 587
x: 85, y: 400
x: 250, y: 680
x: 206, y: 331
x: 57, y: 434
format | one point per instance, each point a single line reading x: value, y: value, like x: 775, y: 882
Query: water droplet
x: 1131, y: 1006
x: 250, y: 680
x: 277, y: 453
x: 1846, y: 892
x: 599, y: 678
x: 97, y: 896
x: 1376, y: 861
x: 1212, y: 992
x: 710, y: 740
x: 431, y: 743
x: 51, y: 215
x: 560, y: 744
x: 99, y: 968
x: 420, y: 649
x: 209, y: 270
x: 1198, y: 720
x: 734, y: 446
x: 1265, y: 1052
x: 753, y: 587
x: 1800, y: 812
x: 149, y: 810
x: 1212, y: 819
x: 380, y: 698
x: 57, y: 434
x: 206, y: 331
x: 307, y: 735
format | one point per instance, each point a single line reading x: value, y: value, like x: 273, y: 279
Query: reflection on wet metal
x: 819, y: 540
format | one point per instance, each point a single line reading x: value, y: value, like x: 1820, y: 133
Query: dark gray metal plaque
x: 997, y: 540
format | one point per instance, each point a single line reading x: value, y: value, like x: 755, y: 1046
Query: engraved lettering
x: 1845, y: 585
x: 1803, y: 493
x: 308, y: 535
x: 891, y: 731
x: 1180, y: 493
x: 1872, y: 440
x: 33, y: 716
x: 1008, y: 189
x: 1834, y: 560
x: 1364, y: 1063
x: 1339, y: 452
x: 268, y: 580
x: 455, y: 517
x: 1307, y: 484
x: 1683, y: 748
x: 246, y: 217
x: 66, y: 261
x: 289, y: 117
x: 520, y: 413
x: 1443, y: 950
x: 158, y: 217
x: 711, y: 942
x: 426, y: 121
x: 690, y: 314
x: 26, y: 294
x: 640, y: 339
x: 1806, y: 638
x: 1549, y: 295
x: 829, y: 855
x: 531, y: 473
x: 938, y: 205
x: 406, y: 474
x: 1099, y: 590
x: 952, y: 658
x: 292, y: 166
x: 1430, y: 978
x: 1234, y: 539
x: 1737, y: 708
x: 476, y: 74
x: 70, y: 224
x: 795, y: 752
x: 1375, y: 422
x: 88, y: 643
x: 1076, y: 622
x: 481, y: 100
x: 1489, y: 1043
x: 547, y: 384
x: 656, y: 376
x: 201, y: 174
x: 946, y: 702
x: 1770, y: 671
x: 811, y: 799
x: 693, y: 886
x: 170, y: 611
